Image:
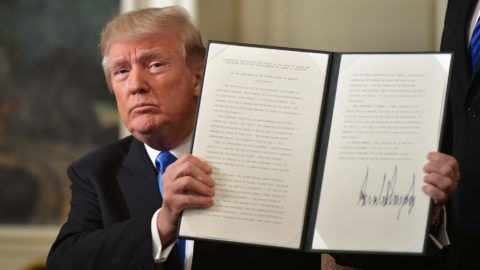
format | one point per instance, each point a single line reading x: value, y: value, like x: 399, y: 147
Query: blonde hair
x: 152, y: 21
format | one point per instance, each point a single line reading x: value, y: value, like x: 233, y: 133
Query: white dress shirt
x: 473, y: 21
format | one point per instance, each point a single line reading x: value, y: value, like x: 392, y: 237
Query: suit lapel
x: 138, y: 181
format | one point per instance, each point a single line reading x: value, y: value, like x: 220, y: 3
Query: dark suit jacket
x: 114, y: 195
x: 462, y: 137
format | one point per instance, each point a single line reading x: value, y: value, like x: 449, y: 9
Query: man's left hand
x: 441, y: 179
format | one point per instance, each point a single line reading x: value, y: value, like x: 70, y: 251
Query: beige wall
x: 337, y: 25
x: 22, y: 246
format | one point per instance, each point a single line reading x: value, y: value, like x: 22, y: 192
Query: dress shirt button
x: 471, y: 112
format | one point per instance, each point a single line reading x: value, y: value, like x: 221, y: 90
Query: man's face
x: 156, y: 91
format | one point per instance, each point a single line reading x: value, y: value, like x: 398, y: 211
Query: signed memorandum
x: 317, y: 150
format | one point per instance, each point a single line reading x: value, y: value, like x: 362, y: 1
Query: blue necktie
x: 475, y: 46
x: 162, y: 161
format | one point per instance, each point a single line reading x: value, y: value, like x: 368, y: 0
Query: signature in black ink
x: 387, y: 195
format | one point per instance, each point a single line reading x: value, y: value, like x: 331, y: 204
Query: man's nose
x: 138, y: 83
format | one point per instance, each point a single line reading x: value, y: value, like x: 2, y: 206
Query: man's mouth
x: 142, y: 106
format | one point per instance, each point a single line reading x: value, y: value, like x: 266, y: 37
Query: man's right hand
x: 186, y: 184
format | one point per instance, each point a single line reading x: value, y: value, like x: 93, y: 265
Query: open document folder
x: 318, y: 150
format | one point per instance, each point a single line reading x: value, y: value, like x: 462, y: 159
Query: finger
x: 179, y: 202
x: 443, y: 158
x: 189, y: 169
x: 438, y: 156
x: 438, y: 196
x: 191, y: 201
x: 189, y: 185
x: 441, y: 182
x: 203, y: 165
x: 442, y: 168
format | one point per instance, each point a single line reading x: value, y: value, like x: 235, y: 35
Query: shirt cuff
x: 440, y: 239
x: 159, y: 253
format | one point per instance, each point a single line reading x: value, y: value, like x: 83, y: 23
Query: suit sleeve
x: 85, y: 243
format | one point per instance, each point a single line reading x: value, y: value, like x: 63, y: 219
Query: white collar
x: 178, y: 151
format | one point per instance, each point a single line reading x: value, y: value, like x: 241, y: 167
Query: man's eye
x: 156, y: 66
x: 120, y: 73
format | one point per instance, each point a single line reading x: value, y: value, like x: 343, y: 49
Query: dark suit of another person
x: 462, y: 136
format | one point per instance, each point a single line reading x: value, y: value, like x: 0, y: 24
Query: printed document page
x: 387, y: 116
x: 257, y: 127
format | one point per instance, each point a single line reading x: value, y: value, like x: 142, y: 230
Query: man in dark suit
x: 461, y: 138
x: 120, y: 217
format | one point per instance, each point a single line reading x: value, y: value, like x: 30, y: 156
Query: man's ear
x: 197, y: 77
